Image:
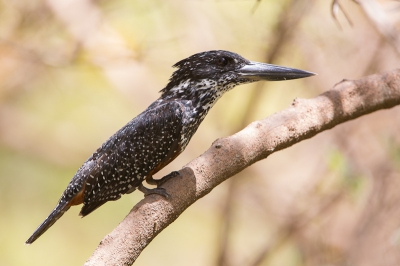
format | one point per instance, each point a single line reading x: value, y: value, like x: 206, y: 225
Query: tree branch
x: 228, y: 156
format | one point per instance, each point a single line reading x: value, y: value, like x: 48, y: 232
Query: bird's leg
x: 159, y: 191
x: 150, y: 180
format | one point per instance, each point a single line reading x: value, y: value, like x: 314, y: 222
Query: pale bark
x: 227, y: 156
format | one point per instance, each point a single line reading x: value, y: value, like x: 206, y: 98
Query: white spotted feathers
x: 155, y: 137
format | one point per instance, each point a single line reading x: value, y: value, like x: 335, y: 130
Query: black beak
x: 262, y: 71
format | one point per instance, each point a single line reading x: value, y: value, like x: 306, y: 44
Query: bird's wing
x: 136, y: 151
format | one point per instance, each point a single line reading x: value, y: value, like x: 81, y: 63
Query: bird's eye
x: 222, y: 61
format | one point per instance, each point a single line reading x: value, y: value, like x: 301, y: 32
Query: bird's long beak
x: 262, y: 71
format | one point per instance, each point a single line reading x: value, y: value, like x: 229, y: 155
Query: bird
x: 161, y: 132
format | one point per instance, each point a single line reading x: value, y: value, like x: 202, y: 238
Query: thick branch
x: 228, y: 156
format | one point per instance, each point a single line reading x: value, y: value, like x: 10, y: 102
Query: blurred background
x: 73, y: 72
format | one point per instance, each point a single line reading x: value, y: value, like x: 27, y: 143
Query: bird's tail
x: 58, y: 211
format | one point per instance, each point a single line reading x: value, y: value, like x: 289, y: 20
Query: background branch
x: 228, y: 156
x: 284, y: 30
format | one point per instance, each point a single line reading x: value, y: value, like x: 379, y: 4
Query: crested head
x: 215, y: 66
x: 215, y: 72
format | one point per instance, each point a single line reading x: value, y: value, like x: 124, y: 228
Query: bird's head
x: 220, y: 71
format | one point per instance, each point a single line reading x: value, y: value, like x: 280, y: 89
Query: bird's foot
x: 167, y: 177
x: 159, y: 191
x: 164, y: 179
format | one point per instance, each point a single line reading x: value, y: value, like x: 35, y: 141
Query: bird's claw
x: 159, y: 191
x: 167, y: 177
x: 161, y: 181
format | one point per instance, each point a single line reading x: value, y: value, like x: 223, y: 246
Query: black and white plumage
x: 157, y: 136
